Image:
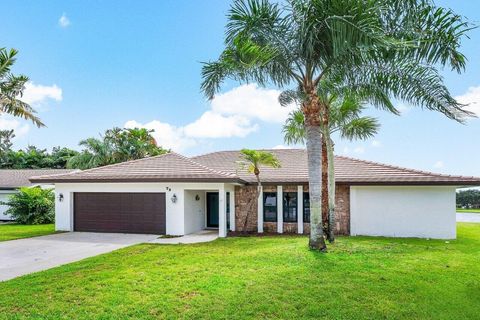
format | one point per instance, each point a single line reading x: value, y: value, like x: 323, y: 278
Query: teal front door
x: 212, y: 209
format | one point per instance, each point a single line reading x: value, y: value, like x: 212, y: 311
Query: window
x: 270, y: 206
x: 290, y: 207
x: 228, y: 209
x: 306, y: 207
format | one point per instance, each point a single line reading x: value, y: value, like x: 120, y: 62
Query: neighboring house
x: 176, y: 195
x: 11, y: 180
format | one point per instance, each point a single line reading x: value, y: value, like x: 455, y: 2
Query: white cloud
x: 9, y: 123
x: 166, y: 135
x: 376, y: 144
x: 359, y: 150
x: 232, y: 114
x: 37, y: 94
x: 282, y: 146
x: 438, y: 165
x: 252, y: 102
x: 403, y: 108
x: 215, y: 125
x: 472, y: 99
x: 64, y: 21
x: 346, y: 150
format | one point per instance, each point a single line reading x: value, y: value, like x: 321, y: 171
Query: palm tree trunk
x: 314, y: 151
x: 252, y: 203
x: 325, y: 191
x: 331, y: 189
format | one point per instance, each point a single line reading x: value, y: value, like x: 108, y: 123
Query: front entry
x: 212, y: 209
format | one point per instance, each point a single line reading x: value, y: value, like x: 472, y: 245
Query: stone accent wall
x: 290, y: 227
x: 270, y: 227
x: 342, y: 210
x: 245, y: 200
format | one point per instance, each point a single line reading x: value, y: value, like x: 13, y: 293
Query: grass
x: 468, y: 210
x: 261, y: 278
x: 14, y: 231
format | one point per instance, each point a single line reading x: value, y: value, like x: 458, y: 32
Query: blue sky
x: 99, y: 64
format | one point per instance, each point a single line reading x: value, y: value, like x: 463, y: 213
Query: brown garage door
x: 119, y: 212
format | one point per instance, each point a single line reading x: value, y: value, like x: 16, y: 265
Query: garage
x: 120, y: 212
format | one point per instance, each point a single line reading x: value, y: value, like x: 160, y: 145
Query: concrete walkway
x: 24, y: 256
x: 201, y: 236
x: 468, y: 217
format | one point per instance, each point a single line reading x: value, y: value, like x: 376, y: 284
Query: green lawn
x: 255, y: 278
x: 18, y: 231
x: 469, y: 210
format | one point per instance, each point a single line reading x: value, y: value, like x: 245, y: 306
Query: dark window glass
x: 270, y: 206
x: 228, y: 210
x: 290, y: 207
x: 306, y: 207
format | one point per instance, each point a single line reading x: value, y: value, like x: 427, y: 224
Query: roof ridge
x: 125, y: 162
x: 405, y: 168
x: 238, y: 150
x: 230, y: 175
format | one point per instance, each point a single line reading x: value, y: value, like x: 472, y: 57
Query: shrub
x: 32, y: 206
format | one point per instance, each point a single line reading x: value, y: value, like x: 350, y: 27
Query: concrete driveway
x: 468, y: 217
x: 24, y: 256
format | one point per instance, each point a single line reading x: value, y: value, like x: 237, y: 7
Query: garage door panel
x: 120, y: 212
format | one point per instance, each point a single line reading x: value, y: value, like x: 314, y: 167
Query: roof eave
x: 140, y: 180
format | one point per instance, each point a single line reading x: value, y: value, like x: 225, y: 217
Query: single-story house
x: 175, y: 195
x: 12, y: 179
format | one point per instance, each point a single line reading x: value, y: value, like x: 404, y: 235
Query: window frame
x: 265, y: 194
x: 285, y: 206
x: 305, y: 207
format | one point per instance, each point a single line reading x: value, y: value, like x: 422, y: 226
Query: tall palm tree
x: 252, y: 160
x: 382, y: 48
x: 11, y: 90
x: 345, y: 118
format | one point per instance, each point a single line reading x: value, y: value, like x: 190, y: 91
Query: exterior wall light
x: 60, y: 197
x: 174, y: 198
x: 197, y: 197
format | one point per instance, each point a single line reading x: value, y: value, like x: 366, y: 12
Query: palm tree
x: 381, y: 48
x: 96, y: 153
x: 11, y: 89
x: 252, y: 160
x: 345, y: 118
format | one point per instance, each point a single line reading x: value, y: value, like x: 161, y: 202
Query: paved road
x: 24, y: 256
x: 468, y: 217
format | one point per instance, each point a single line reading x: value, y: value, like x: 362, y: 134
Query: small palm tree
x: 252, y: 160
x: 345, y: 118
x: 11, y: 90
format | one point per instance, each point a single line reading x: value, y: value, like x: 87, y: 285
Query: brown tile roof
x: 223, y: 167
x: 15, y: 178
x: 170, y: 167
x: 347, y: 170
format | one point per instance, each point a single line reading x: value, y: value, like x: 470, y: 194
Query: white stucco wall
x: 175, y: 219
x: 4, y: 194
x: 403, y: 211
x: 194, y: 211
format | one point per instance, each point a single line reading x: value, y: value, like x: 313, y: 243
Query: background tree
x: 6, y: 144
x: 384, y: 48
x: 469, y: 199
x: 11, y: 90
x: 345, y: 118
x: 116, y: 145
x: 252, y: 161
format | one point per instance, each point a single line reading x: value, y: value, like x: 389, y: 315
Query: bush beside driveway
x: 268, y: 277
